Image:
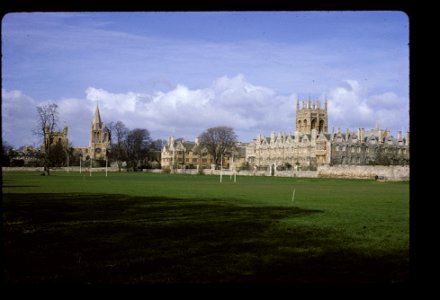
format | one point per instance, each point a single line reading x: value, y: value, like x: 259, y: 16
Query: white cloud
x: 185, y: 112
x: 18, y: 118
x: 351, y: 107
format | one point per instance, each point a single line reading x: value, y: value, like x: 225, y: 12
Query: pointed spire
x: 297, y: 103
x: 325, y: 103
x: 97, y: 116
x: 399, y: 135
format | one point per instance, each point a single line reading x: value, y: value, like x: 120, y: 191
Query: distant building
x: 375, y: 147
x: 307, y: 148
x: 52, y: 138
x: 99, y: 142
x: 311, y: 145
x: 181, y: 154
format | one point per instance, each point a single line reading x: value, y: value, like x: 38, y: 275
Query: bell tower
x: 311, y: 116
x: 99, y: 137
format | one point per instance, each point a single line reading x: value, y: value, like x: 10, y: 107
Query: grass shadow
x: 88, y: 238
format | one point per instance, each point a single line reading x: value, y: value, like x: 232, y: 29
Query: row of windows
x: 353, y: 149
x: 367, y: 150
x: 187, y: 160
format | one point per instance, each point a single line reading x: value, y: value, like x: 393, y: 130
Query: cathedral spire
x: 97, y: 117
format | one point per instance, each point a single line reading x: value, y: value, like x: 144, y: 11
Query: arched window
x: 321, y: 126
x: 313, y: 124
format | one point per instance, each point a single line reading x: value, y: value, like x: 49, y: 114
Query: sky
x: 179, y: 73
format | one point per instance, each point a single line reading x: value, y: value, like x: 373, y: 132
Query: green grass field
x: 158, y: 228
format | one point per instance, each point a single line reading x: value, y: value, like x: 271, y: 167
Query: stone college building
x: 310, y: 146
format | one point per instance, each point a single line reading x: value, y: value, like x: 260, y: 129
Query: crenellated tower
x: 311, y: 116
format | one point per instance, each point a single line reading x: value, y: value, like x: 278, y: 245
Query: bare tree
x: 47, y: 123
x: 217, y: 141
x: 137, y: 145
x: 118, y: 136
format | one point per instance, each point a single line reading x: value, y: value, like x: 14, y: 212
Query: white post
x: 234, y: 168
x: 80, y: 159
x: 172, y: 163
x: 106, y: 166
x: 91, y: 164
x: 221, y: 167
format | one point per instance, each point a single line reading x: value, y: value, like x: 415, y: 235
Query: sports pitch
x: 164, y: 228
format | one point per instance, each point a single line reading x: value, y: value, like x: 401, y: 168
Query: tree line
x: 133, y: 147
x: 130, y: 148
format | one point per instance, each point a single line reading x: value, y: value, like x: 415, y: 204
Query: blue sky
x: 180, y: 73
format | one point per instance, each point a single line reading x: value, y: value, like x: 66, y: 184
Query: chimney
x: 399, y: 135
x: 407, y: 138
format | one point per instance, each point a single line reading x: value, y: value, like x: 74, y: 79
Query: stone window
x: 343, y: 148
x: 358, y: 149
x: 337, y: 148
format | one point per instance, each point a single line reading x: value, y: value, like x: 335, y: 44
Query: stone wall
x: 394, y: 173
x: 58, y: 169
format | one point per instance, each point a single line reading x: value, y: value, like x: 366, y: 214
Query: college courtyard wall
x: 392, y: 173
